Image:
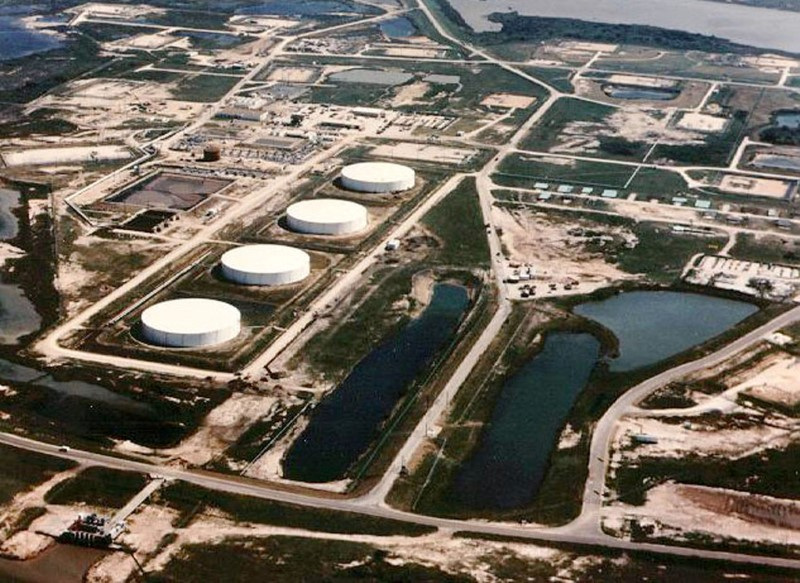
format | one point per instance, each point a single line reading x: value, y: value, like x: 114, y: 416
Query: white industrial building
x: 265, y: 265
x: 377, y: 177
x: 327, y: 216
x: 191, y: 323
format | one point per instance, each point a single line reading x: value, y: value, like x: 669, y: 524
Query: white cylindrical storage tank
x: 265, y: 265
x: 377, y: 177
x: 327, y: 216
x: 190, y: 323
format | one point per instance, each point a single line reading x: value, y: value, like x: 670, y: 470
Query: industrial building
x: 327, y: 216
x: 265, y: 265
x: 190, y: 323
x: 378, y: 177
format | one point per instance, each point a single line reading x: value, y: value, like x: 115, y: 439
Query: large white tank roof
x: 265, y: 265
x: 327, y: 216
x: 193, y: 322
x: 377, y: 177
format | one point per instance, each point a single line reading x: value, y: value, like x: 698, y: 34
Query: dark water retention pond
x: 509, y: 462
x: 86, y: 409
x: 631, y: 92
x: 346, y: 421
x: 18, y: 315
x: 654, y: 325
x: 788, y: 119
x: 398, y: 28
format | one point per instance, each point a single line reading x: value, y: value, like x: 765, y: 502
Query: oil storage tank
x: 327, y: 216
x: 377, y: 177
x: 265, y: 265
x: 190, y: 323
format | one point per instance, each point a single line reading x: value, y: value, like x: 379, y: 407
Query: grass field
x: 770, y: 249
x: 97, y: 486
x: 546, y: 133
x: 523, y: 171
x: 26, y: 469
x: 190, y: 500
x: 772, y: 473
x: 294, y: 559
x: 457, y: 222
x: 204, y: 88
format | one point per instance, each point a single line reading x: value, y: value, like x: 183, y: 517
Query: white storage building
x: 378, y: 177
x: 190, y: 323
x: 265, y: 265
x: 327, y: 216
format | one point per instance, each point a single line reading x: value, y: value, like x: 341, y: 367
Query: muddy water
x: 58, y: 564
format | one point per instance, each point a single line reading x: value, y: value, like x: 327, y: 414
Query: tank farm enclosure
x: 268, y: 272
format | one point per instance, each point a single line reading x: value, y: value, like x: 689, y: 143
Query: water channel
x: 509, y: 463
x: 344, y: 424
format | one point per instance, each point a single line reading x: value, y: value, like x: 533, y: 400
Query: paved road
x: 235, y: 485
x: 604, y: 432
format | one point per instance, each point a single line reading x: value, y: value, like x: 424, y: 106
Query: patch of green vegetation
x: 772, y: 472
x: 333, y: 351
x: 547, y: 134
x: 25, y: 469
x: 457, y: 221
x: 189, y: 499
x: 716, y: 151
x: 41, y: 121
x: 661, y: 254
x: 104, y: 32
x: 204, y: 88
x: 191, y: 18
x: 521, y: 171
x: 658, y: 182
x: 99, y: 487
x: 349, y: 94
x: 554, y: 76
x: 766, y: 249
x: 293, y: 559
x: 25, y: 79
x: 673, y: 396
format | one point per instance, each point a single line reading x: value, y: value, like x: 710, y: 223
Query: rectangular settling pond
x: 346, y: 422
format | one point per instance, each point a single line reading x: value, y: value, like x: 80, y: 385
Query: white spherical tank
x: 265, y: 265
x: 190, y: 323
x: 327, y: 216
x: 377, y: 177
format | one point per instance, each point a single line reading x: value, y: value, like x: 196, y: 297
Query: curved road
x: 604, y: 431
x: 234, y: 485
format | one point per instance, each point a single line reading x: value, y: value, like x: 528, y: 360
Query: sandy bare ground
x: 145, y: 531
x: 27, y: 543
x: 8, y: 251
x: 410, y: 94
x: 676, y: 440
x: 220, y: 429
x: 556, y: 255
x: 439, y: 549
x: 44, y: 156
x: 86, y: 274
x: 675, y: 509
x: 508, y: 101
